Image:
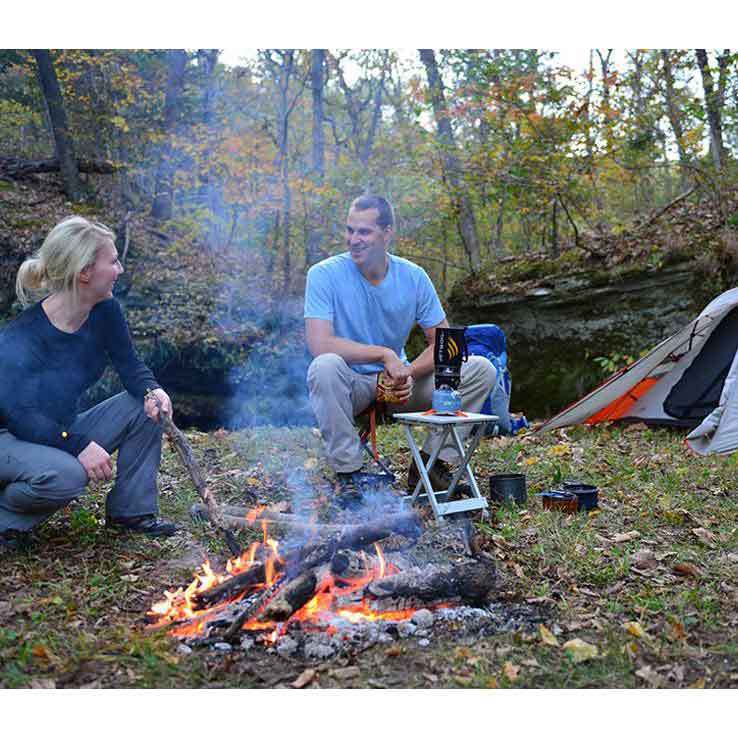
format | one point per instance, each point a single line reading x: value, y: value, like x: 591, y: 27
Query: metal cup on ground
x: 557, y: 499
x: 508, y: 488
x: 586, y: 494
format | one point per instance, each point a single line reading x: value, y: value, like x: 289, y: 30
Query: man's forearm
x: 352, y: 352
x: 423, y: 364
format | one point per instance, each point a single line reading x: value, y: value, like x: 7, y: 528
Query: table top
x: 438, y: 419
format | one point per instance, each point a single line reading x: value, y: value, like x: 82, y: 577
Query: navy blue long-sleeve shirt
x: 45, y: 371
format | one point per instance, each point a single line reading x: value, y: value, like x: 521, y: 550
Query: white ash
x: 405, y: 630
x: 422, y: 618
x: 286, y: 646
x: 222, y: 647
x: 424, y: 643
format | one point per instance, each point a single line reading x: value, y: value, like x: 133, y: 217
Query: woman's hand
x: 96, y: 462
x: 151, y: 408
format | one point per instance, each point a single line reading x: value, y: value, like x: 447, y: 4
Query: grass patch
x: 72, y: 608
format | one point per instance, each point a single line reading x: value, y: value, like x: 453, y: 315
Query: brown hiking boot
x: 440, y: 476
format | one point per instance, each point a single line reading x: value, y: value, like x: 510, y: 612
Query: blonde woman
x: 49, y: 355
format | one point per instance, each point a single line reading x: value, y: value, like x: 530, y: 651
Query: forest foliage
x: 486, y: 153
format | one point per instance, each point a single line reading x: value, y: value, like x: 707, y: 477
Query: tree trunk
x: 673, y: 113
x: 210, y: 190
x: 713, y: 109
x: 164, y: 187
x: 47, y: 78
x: 315, y: 236
x: 452, y: 168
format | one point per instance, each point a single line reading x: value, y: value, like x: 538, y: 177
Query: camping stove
x: 449, y: 352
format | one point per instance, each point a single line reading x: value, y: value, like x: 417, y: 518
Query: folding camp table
x: 448, y: 425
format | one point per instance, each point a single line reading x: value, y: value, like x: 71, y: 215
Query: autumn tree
x: 451, y: 164
x: 164, y: 179
x: 49, y: 83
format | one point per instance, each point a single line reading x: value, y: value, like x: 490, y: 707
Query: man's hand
x: 403, y: 391
x: 395, y: 369
x: 152, y: 409
x: 96, y: 462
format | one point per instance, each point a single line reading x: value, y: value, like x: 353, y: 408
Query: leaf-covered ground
x: 641, y: 593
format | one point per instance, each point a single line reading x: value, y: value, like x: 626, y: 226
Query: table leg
x: 465, y: 466
x: 424, y: 478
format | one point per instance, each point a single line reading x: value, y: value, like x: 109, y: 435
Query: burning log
x: 291, y: 598
x: 347, y: 563
x: 184, y: 451
x: 471, y: 581
x: 235, y: 585
x: 308, y: 557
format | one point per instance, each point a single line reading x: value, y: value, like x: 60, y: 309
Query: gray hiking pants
x: 36, y: 480
x: 338, y: 394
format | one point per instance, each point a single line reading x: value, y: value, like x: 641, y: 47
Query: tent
x: 687, y: 380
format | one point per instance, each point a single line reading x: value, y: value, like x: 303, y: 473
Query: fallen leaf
x: 634, y: 628
x: 304, y: 679
x: 644, y: 559
x: 393, y: 650
x: 530, y: 662
x: 677, y: 631
x: 41, y: 652
x: 704, y: 535
x: 547, y: 636
x: 580, y: 650
x: 130, y: 578
x: 511, y: 671
x: 649, y: 675
x: 698, y: 684
x: 686, y: 570
x: 492, y: 683
x: 631, y: 535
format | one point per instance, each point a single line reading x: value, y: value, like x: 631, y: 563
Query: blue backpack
x: 488, y: 340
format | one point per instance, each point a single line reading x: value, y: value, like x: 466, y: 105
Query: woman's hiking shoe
x: 148, y: 525
x: 12, y: 541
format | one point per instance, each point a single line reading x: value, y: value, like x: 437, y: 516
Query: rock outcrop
x: 557, y: 329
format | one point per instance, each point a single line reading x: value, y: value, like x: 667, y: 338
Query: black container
x: 586, y: 494
x: 558, y: 499
x: 506, y: 488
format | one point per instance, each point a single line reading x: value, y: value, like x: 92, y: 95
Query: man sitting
x: 360, y: 307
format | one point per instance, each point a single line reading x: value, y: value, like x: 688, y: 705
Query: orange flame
x: 178, y: 606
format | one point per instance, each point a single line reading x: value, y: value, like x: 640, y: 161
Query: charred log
x: 291, y: 598
x: 242, y: 582
x: 347, y: 563
x: 470, y: 581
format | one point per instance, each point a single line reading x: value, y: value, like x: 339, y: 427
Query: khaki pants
x: 338, y: 394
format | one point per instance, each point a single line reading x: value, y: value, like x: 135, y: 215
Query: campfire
x: 385, y: 571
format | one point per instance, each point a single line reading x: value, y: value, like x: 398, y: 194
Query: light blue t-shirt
x: 379, y: 315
